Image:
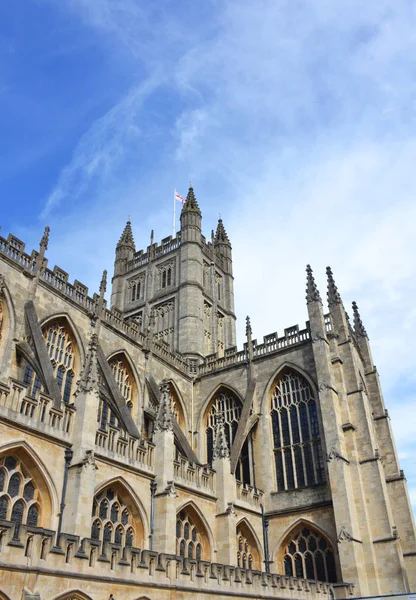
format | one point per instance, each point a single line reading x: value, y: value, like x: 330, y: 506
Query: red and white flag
x: 180, y: 198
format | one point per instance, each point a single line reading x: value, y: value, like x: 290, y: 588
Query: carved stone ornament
x: 170, y: 490
x: 89, y: 376
x: 344, y: 536
x: 230, y: 509
x: 324, y: 386
x: 221, y: 449
x: 89, y: 460
x: 318, y: 337
x: 335, y: 455
x: 164, y: 416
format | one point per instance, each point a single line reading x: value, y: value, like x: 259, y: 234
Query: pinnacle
x: 127, y: 236
x: 333, y: 294
x: 221, y: 449
x: 191, y: 204
x: 248, y: 327
x: 312, y: 292
x: 221, y: 234
x: 164, y: 417
x: 358, y: 324
x: 45, y: 238
x: 103, y: 284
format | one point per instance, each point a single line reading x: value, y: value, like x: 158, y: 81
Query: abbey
x: 142, y: 455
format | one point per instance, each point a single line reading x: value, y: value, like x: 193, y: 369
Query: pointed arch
x: 197, y: 517
x: 210, y: 397
x: 48, y: 496
x: 131, y: 500
x: 312, y: 547
x: 286, y: 366
x: 131, y: 365
x: 7, y: 320
x: 3, y: 596
x: 246, y: 523
x: 127, y: 380
x: 73, y: 329
x: 73, y: 595
x: 178, y: 406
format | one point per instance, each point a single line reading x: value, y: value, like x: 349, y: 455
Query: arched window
x: 228, y: 406
x: 297, y: 445
x: 164, y: 278
x: 19, y: 495
x: 31, y: 380
x: 176, y: 407
x: 191, y: 537
x: 169, y: 276
x: 247, y: 551
x: 60, y: 345
x: 123, y: 376
x: 308, y: 554
x: 115, y: 518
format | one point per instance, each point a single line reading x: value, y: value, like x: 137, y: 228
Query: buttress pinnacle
x: 333, y: 294
x: 358, y: 324
x: 221, y: 449
x: 45, y: 238
x: 164, y: 420
x: 312, y: 292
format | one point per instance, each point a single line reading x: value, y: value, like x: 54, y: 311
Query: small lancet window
x: 115, y: 522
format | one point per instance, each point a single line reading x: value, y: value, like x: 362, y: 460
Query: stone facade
x: 143, y: 456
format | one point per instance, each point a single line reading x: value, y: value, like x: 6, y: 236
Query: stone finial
x: 126, y: 238
x: 103, y: 284
x: 164, y: 420
x: 221, y: 236
x: 89, y: 375
x: 358, y: 324
x: 249, y: 331
x: 191, y: 204
x: 221, y: 449
x: 312, y: 292
x: 333, y: 294
x: 45, y: 239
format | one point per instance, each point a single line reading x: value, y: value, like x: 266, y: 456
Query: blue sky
x: 295, y: 121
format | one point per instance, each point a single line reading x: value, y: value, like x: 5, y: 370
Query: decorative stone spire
x: 248, y: 328
x: 312, y: 292
x: 191, y: 204
x: 89, y: 375
x: 358, y: 324
x: 333, y: 294
x: 164, y: 417
x: 127, y: 236
x: 221, y: 236
x: 221, y: 449
x: 45, y: 239
x: 103, y: 284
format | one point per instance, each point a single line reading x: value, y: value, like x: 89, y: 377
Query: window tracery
x: 228, y: 407
x: 114, y: 520
x: 189, y: 543
x: 297, y: 444
x: 19, y: 496
x: 308, y: 554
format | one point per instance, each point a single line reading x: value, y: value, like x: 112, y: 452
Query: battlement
x: 34, y: 549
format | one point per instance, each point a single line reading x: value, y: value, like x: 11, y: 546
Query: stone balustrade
x: 194, y: 476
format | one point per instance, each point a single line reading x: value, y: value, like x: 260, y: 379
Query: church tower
x: 181, y: 290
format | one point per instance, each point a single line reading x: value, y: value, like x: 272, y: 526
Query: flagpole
x: 174, y: 213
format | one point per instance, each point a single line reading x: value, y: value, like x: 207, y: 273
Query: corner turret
x: 191, y: 219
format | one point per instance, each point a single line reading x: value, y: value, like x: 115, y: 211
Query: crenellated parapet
x: 111, y: 568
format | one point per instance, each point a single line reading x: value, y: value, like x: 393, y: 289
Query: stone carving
x: 89, y: 460
x: 221, y: 449
x: 335, y: 455
x: 333, y: 294
x: 324, y: 386
x: 89, y: 376
x: 358, y: 324
x: 170, y: 490
x: 344, y: 536
x: 164, y: 420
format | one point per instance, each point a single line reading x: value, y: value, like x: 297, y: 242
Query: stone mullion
x: 281, y: 450
x: 311, y: 444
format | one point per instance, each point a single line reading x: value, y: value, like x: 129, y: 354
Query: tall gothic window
x: 228, y: 407
x: 308, y: 554
x: 19, y: 495
x: 189, y: 537
x: 114, y: 519
x: 31, y: 379
x: 123, y: 376
x: 297, y: 445
x: 60, y: 346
